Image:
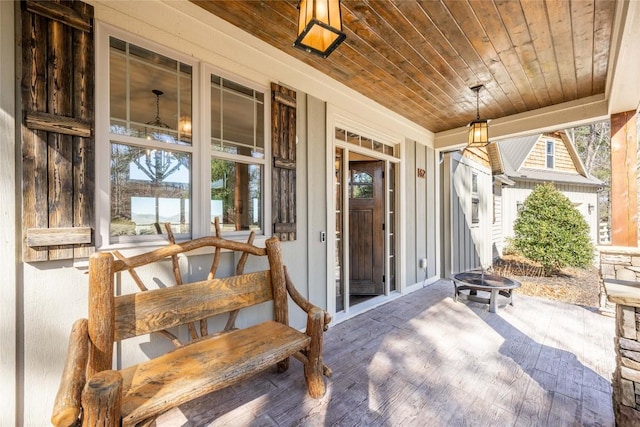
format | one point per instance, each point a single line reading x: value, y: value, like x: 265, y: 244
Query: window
x: 360, y: 185
x: 368, y: 143
x: 550, y: 154
x: 151, y: 154
x: 475, y: 200
x: 237, y: 155
x: 163, y: 171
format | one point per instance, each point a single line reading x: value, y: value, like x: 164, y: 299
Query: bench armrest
x: 302, y: 302
x: 67, y: 406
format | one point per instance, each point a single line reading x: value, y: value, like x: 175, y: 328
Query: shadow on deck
x: 424, y: 359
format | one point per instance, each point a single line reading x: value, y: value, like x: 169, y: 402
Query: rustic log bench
x: 92, y: 393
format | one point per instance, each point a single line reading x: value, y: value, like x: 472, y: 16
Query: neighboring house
x: 519, y: 164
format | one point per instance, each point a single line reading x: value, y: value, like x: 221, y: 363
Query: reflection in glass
x: 236, y: 195
x: 360, y: 185
x: 149, y: 187
x: 339, y: 270
x: 149, y: 94
x: 391, y: 173
x: 237, y: 118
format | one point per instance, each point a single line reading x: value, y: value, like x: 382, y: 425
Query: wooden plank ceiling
x: 419, y: 58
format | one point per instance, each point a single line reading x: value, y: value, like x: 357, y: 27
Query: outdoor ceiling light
x: 478, y: 128
x: 319, y: 26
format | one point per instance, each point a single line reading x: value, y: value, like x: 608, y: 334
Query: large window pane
x: 149, y: 187
x: 237, y: 119
x: 236, y: 195
x: 150, y: 94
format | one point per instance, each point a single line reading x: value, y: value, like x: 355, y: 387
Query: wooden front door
x: 366, y: 232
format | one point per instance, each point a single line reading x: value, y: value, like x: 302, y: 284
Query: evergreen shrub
x: 551, y: 231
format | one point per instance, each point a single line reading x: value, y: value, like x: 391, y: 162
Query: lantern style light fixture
x: 478, y: 128
x: 319, y: 26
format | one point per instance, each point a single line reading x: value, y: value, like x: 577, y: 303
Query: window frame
x: 200, y: 148
x: 205, y: 83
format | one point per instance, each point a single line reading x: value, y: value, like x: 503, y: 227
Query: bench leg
x: 314, y: 367
x: 101, y: 399
x: 313, y: 377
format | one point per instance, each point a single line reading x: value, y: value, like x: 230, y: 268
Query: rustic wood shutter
x: 283, y: 178
x: 57, y: 138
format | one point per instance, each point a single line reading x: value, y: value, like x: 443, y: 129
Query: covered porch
x: 419, y: 359
x: 424, y: 359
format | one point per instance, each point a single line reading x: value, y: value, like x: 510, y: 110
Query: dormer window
x: 550, y: 154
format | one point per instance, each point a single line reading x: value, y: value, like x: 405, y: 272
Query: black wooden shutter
x: 283, y: 179
x: 57, y: 133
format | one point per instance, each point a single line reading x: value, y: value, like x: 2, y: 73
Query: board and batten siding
x: 420, y: 241
x: 469, y: 245
x: 580, y: 195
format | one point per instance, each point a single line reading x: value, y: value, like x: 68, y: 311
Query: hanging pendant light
x: 157, y: 122
x: 319, y: 26
x: 478, y: 128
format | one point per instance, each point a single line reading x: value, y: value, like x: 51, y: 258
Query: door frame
x: 334, y: 121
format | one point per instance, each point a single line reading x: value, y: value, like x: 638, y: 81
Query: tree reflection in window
x: 148, y: 187
x: 360, y: 185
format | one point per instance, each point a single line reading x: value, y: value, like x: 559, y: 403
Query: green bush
x: 551, y: 231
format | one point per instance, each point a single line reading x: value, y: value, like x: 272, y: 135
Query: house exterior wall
x: 420, y: 237
x: 470, y: 243
x: 497, y: 238
x: 538, y: 157
x: 9, y: 301
x: 47, y: 297
x: 580, y: 195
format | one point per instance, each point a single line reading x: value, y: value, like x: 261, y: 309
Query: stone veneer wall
x: 623, y: 264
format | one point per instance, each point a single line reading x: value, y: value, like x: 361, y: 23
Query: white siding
x: 497, y: 238
x: 580, y: 195
x: 9, y: 289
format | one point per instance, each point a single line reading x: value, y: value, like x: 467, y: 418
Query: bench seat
x: 153, y: 387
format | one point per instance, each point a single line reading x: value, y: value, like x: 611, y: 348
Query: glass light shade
x: 184, y: 125
x: 478, y: 133
x: 319, y: 26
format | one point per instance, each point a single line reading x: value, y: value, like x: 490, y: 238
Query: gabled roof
x: 514, y: 151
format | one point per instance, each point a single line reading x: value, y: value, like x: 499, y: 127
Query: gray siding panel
x: 421, y: 210
x: 316, y: 192
x: 412, y: 213
x: 429, y: 199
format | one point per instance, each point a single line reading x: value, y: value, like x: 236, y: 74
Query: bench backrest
x: 158, y: 309
x: 113, y: 318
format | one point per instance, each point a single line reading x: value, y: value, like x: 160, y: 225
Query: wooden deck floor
x: 425, y: 360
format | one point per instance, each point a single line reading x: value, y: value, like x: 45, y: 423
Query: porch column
x: 624, y: 187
